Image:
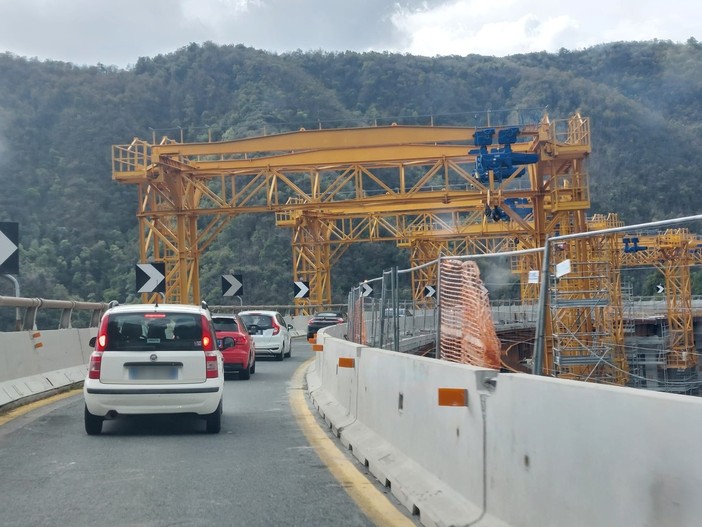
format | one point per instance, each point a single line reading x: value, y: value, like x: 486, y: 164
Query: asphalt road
x: 166, y: 471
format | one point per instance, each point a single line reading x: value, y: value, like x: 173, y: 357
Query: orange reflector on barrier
x: 317, y: 347
x: 312, y: 340
x: 453, y: 397
x: 347, y: 362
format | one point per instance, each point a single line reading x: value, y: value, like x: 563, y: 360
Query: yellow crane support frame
x: 332, y: 187
x: 672, y: 253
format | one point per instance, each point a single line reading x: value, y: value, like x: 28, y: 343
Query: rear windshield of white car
x: 260, y: 321
x: 153, y: 331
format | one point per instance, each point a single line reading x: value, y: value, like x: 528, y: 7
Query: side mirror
x: 92, y: 342
x: 290, y: 326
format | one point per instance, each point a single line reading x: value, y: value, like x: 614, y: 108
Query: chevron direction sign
x: 429, y: 291
x: 232, y: 285
x: 366, y: 290
x: 9, y: 248
x: 302, y: 289
x: 151, y: 277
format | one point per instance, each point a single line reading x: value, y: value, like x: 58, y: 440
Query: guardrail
x: 66, y: 308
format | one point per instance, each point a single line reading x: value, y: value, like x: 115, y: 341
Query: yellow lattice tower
x: 673, y: 252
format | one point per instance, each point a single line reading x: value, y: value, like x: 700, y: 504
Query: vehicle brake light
x: 211, y: 368
x: 207, y: 340
x: 208, y: 346
x: 276, y: 328
x: 95, y: 365
x: 101, y: 341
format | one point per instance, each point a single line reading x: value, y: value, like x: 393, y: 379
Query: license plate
x: 153, y: 373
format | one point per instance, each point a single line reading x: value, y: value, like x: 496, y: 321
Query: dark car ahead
x: 323, y: 320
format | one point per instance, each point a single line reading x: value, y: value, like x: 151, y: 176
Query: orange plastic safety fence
x: 467, y: 330
x: 359, y: 329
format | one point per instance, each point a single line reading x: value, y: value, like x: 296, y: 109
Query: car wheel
x: 289, y: 353
x: 245, y: 374
x: 281, y: 355
x: 253, y: 366
x: 93, y: 423
x: 214, y: 420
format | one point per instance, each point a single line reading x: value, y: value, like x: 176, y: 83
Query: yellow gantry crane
x: 417, y: 186
x: 342, y: 186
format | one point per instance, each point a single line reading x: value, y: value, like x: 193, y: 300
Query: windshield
x: 259, y: 320
x: 225, y: 324
x: 153, y: 331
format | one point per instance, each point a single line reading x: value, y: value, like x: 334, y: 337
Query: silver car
x: 270, y: 332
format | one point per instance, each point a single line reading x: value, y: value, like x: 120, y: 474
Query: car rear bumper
x: 235, y: 360
x: 102, y: 399
x: 267, y: 351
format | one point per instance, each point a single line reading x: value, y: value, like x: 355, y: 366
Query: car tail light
x: 208, y: 346
x: 211, y: 367
x: 101, y: 341
x: 95, y: 365
x: 207, y: 340
x: 276, y: 327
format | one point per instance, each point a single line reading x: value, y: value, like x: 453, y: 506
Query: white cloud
x: 505, y: 27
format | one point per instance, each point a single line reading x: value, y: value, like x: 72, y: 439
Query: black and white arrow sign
x: 429, y: 291
x: 366, y: 290
x: 660, y: 289
x: 302, y: 289
x: 9, y: 253
x: 151, y: 278
x: 232, y: 285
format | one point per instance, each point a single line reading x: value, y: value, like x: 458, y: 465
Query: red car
x: 238, y: 349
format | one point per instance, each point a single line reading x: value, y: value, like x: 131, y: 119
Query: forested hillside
x: 78, y: 227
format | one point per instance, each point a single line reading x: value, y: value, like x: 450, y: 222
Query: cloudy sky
x: 118, y: 32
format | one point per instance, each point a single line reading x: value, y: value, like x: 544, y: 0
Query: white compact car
x: 270, y: 333
x: 154, y: 359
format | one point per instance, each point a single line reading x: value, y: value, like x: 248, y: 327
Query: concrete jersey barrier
x: 34, y: 363
x: 524, y: 451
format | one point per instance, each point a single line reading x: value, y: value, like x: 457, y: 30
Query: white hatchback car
x: 154, y: 359
x: 271, y: 334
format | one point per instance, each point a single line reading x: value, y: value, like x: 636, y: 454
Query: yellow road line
x: 8, y: 416
x: 372, y: 502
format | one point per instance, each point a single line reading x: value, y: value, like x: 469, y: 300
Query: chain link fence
x: 616, y: 304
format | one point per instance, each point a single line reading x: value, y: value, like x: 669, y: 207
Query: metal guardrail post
x: 538, y: 364
x: 65, y: 320
x: 18, y: 317
x: 437, y: 322
x: 395, y: 308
